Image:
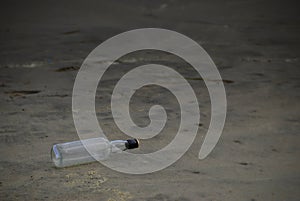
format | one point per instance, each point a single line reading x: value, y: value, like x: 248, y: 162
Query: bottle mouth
x: 132, y: 143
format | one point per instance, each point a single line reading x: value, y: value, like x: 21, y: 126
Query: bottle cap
x: 132, y: 144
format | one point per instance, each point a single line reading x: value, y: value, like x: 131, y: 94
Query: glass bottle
x: 74, y: 153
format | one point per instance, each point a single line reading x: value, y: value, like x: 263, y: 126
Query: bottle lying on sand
x: 75, y: 153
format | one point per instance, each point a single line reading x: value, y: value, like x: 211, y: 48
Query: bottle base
x: 56, y: 156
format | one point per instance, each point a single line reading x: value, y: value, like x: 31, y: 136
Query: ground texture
x: 255, y: 45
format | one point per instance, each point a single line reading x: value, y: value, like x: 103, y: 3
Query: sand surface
x: 255, y: 45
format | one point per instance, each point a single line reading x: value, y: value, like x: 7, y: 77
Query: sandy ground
x: 255, y: 45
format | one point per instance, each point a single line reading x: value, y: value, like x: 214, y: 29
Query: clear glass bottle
x: 74, y: 153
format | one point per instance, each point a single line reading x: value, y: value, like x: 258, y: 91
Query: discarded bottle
x: 74, y: 153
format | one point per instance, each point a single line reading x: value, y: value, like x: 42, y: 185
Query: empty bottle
x: 74, y: 153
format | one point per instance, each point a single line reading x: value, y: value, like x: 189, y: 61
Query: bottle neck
x: 118, y: 145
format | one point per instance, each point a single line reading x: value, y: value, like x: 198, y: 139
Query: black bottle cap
x: 132, y: 144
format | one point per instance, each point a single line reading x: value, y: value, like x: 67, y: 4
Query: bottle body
x: 75, y: 153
